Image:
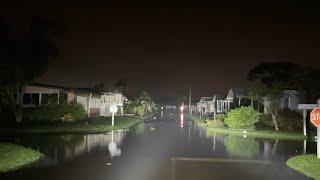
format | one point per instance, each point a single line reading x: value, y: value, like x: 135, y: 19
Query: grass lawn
x: 263, y: 133
x: 308, y: 165
x: 94, y: 125
x: 14, y: 156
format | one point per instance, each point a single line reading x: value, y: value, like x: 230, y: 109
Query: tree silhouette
x: 121, y: 85
x: 271, y: 79
x: 272, y: 73
x: 23, y: 59
x: 98, y: 87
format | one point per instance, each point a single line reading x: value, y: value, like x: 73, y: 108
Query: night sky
x: 162, y: 46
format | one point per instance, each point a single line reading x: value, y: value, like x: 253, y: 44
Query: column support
x: 40, y: 98
x: 58, y: 97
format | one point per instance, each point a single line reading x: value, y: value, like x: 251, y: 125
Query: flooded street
x: 160, y: 149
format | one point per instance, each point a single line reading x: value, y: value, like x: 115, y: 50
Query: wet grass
x: 272, y: 134
x: 308, y: 165
x: 92, y: 125
x: 262, y: 133
x: 14, y: 156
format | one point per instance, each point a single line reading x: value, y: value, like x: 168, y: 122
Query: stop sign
x: 315, y: 117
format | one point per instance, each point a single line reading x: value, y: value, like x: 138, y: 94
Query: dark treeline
x: 24, y: 57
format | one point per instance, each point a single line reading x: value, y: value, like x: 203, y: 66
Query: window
x: 53, y: 98
x: 286, y: 102
x: 35, y: 99
x: 45, y: 99
x: 63, y: 98
x: 27, y: 99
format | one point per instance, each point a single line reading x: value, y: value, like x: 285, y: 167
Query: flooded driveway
x: 161, y: 149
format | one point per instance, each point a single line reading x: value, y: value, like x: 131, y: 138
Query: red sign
x: 315, y: 117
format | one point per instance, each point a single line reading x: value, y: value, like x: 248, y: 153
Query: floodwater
x: 166, y: 148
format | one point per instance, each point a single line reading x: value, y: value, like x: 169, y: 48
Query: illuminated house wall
x: 39, y: 94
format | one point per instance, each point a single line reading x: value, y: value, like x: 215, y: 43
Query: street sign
x: 307, y: 106
x: 113, y: 108
x: 315, y: 117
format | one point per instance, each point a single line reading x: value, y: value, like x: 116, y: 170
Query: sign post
x: 315, y: 119
x: 113, y: 109
x: 305, y: 107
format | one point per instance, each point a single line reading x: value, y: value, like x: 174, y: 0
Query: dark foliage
x: 289, y: 120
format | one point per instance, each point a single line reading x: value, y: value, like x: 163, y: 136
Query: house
x: 214, y: 104
x: 220, y: 104
x: 203, y: 106
x: 94, y: 103
x: 240, y: 97
x: 289, y: 99
x: 40, y: 94
x: 91, y: 101
x: 237, y: 97
x: 110, y: 98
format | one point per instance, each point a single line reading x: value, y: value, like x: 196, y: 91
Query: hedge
x: 61, y: 112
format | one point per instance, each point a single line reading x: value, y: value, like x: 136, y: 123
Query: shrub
x: 7, y: 117
x: 289, y: 120
x: 214, y: 123
x: 61, y: 112
x: 265, y: 121
x: 266, y: 117
x: 220, y: 117
x: 241, y: 147
x: 67, y: 117
x: 242, y: 118
x: 141, y: 110
x: 130, y: 108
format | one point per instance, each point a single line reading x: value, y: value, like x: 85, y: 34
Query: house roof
x: 78, y: 91
x: 217, y: 97
x: 49, y: 86
x: 205, y: 98
x: 111, y: 93
x: 240, y: 91
x: 236, y: 93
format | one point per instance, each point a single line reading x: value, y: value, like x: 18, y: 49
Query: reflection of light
x: 181, y: 108
x: 244, y: 136
x: 181, y: 120
x: 113, y: 149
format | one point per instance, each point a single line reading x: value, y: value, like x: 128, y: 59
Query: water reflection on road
x: 159, y: 149
x: 59, y: 148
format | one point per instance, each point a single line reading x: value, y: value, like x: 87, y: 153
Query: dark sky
x: 162, y: 46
